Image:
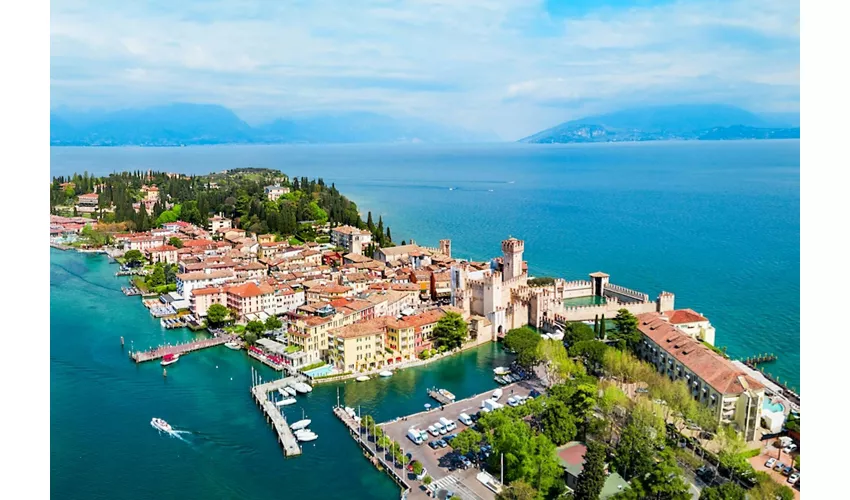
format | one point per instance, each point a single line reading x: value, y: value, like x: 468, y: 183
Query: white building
x: 352, y: 239
x: 275, y: 192
x: 692, y: 323
x: 187, y: 282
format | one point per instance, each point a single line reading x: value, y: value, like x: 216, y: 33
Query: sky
x: 511, y: 67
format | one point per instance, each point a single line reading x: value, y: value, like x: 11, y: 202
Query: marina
x: 442, y: 396
x: 260, y: 393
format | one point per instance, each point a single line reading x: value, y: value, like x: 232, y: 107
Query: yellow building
x: 359, y: 347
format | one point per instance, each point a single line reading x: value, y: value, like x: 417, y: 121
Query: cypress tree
x: 592, y: 477
x: 602, y: 331
x: 596, y: 326
x: 389, y: 236
x: 369, y: 223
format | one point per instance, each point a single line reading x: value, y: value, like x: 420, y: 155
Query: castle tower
x: 460, y: 294
x: 512, y: 249
x: 598, y: 280
x: 665, y: 302
x: 446, y: 248
x: 493, y: 292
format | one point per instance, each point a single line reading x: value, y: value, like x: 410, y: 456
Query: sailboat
x: 301, y: 424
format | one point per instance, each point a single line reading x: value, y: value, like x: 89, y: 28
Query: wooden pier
x: 142, y: 356
x: 285, y: 436
x: 439, y: 397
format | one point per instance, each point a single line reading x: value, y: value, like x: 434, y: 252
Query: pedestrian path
x: 453, y: 484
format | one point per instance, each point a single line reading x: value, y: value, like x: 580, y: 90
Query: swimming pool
x: 320, y: 371
x: 769, y: 405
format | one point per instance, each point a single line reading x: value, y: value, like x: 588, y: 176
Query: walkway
x: 284, y: 434
x: 156, y: 353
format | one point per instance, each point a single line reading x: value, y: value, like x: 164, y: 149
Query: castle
x: 501, y: 298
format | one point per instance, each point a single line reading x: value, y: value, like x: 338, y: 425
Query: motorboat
x: 386, y: 373
x: 301, y: 424
x: 286, y: 402
x: 497, y: 394
x: 301, y: 387
x: 500, y: 380
x: 161, y: 424
x: 284, y: 392
x: 501, y: 370
x: 233, y: 345
x: 362, y: 378
x: 448, y: 395
x: 290, y: 391
x: 169, y: 359
x: 309, y: 436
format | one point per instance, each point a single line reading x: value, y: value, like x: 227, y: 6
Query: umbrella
x: 427, y: 406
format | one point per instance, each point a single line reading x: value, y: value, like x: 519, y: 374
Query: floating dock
x: 285, y: 437
x: 142, y: 356
x: 443, y: 400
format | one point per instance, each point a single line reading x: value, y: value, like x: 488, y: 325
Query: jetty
x: 443, y: 400
x: 129, y: 291
x: 260, y: 393
x: 158, y: 352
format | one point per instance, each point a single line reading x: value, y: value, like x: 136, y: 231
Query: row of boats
x: 290, y: 391
x: 364, y: 378
x: 301, y: 432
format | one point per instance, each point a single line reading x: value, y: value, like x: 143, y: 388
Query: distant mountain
x: 683, y: 122
x: 194, y: 124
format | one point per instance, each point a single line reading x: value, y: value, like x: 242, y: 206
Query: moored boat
x: 233, y: 345
x: 301, y: 424
x: 448, y: 395
x: 386, y: 373
x: 306, y: 436
x: 501, y: 370
x: 169, y: 359
x: 289, y: 390
x: 161, y: 424
x: 301, y: 387
x: 362, y: 378
x: 286, y: 402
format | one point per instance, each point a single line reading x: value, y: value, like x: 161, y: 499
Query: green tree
x: 662, y: 482
x: 556, y: 362
x: 255, y: 327
x: 726, y: 491
x: 517, y: 490
x: 175, y: 242
x: 417, y: 467
x: 217, y: 314
x: 558, y: 423
x: 251, y: 338
x: 577, y: 331
x: 451, y: 331
x: 592, y: 477
x: 157, y: 277
x: 626, y: 333
x: 603, y: 330
x: 134, y: 257
x: 768, y: 489
x: 524, y: 342
x: 468, y: 440
x: 634, y: 454
x: 591, y: 351
x: 273, y: 323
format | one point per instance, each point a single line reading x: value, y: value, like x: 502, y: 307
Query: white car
x: 463, y: 417
x: 433, y: 430
x: 769, y: 463
x: 791, y: 447
x: 793, y: 478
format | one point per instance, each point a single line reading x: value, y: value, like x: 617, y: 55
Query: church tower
x: 512, y: 249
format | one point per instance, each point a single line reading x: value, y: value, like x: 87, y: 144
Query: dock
x: 158, y: 352
x: 285, y: 437
x: 439, y: 397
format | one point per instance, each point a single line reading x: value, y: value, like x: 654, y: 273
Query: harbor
x: 260, y: 393
x: 178, y: 349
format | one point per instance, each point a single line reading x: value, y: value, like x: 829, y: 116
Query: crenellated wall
x: 628, y: 292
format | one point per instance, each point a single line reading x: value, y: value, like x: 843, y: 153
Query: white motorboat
x: 301, y: 387
x: 283, y: 392
x: 289, y: 390
x: 501, y: 370
x: 161, y: 424
x: 169, y: 359
x: 362, y: 378
x: 301, y: 424
x: 286, y: 402
x: 233, y: 345
x: 496, y: 394
x: 306, y: 437
x: 386, y: 373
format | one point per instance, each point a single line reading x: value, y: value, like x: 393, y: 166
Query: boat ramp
x: 158, y: 352
x: 260, y: 393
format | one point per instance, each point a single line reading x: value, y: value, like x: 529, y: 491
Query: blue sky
x: 509, y: 66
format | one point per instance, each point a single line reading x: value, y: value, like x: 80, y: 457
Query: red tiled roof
x: 249, y: 289
x: 362, y: 328
x: 714, y: 369
x: 207, y: 291
x: 680, y: 316
x: 163, y: 248
x: 417, y: 321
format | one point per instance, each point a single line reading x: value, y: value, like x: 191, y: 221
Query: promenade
x: 285, y: 436
x: 158, y: 352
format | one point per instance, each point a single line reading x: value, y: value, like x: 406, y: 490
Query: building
x: 359, y: 347
x: 413, y: 334
x: 218, y: 222
x: 162, y: 253
x: 143, y: 243
x: 200, y: 299
x: 287, y: 299
x: 354, y: 240
x: 87, y: 203
x: 692, y: 323
x: 571, y: 458
x: 275, y: 192
x: 441, y: 286
x: 250, y: 298
x: 186, y: 282
x: 734, y: 396
x: 265, y: 238
x: 327, y: 293
x: 150, y: 193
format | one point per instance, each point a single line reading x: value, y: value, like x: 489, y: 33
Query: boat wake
x: 173, y: 433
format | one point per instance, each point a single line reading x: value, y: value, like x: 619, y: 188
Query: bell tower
x: 512, y: 249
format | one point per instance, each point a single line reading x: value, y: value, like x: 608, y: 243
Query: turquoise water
x: 101, y: 404
x: 774, y: 407
x: 584, y: 301
x: 717, y: 223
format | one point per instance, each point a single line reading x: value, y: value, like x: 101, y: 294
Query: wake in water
x: 173, y: 432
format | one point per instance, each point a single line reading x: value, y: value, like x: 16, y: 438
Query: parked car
x: 642, y: 390
x: 791, y: 447
x: 449, y: 438
x: 793, y: 478
x: 683, y: 443
x: 442, y: 443
x: 433, y: 445
x: 787, y: 471
x: 433, y: 430
x: 770, y: 462
x: 779, y: 466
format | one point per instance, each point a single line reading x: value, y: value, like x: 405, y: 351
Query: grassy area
x: 333, y: 375
x: 313, y: 366
x: 323, y: 239
x: 292, y: 348
x: 139, y: 282
x: 294, y: 240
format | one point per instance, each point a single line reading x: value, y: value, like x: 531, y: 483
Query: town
x: 331, y: 297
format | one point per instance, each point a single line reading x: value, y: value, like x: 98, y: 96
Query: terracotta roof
x: 212, y: 290
x: 417, y: 321
x: 361, y: 328
x: 681, y: 316
x: 330, y: 288
x: 163, y: 248
x: 719, y: 372
x: 225, y: 273
x: 401, y: 250
x: 349, y: 230
x: 249, y: 289
x: 90, y: 196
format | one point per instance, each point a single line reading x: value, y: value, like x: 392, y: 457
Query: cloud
x: 512, y: 66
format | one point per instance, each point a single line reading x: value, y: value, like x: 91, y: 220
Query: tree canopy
x: 592, y: 477
x: 626, y: 333
x: 255, y: 327
x: 524, y: 342
x: 451, y: 331
x: 466, y: 441
x: 217, y: 314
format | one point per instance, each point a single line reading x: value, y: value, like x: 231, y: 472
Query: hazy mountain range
x: 196, y: 124
x: 680, y: 122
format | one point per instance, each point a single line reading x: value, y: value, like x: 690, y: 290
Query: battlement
x: 576, y: 284
x: 518, y: 279
x: 627, y: 292
x: 513, y: 245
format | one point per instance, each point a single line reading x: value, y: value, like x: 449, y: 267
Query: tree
x: 768, y: 489
x: 417, y: 467
x: 468, y: 440
x: 592, y: 477
x: 451, y: 331
x: 157, y: 277
x: 217, y: 314
x: 557, y: 363
x: 634, y: 454
x: 726, y: 491
x: 251, y: 338
x: 662, y: 482
x: 591, y: 351
x: 255, y: 327
x: 603, y: 330
x: 558, y: 424
x: 517, y: 490
x: 626, y: 333
x: 175, y: 242
x: 524, y: 342
x: 134, y: 257
x: 273, y: 323
x: 576, y: 332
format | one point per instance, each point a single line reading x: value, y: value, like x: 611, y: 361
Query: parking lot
x: 461, y: 481
x: 759, y: 462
